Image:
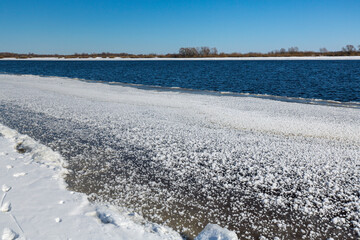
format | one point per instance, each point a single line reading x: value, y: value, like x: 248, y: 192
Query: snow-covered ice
x: 260, y: 167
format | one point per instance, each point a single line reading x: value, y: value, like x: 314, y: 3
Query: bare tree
x: 199, y: 51
x: 349, y: 48
x: 204, y: 51
x: 359, y: 48
x: 282, y: 50
x: 293, y: 49
x: 214, y: 51
x: 182, y: 51
x: 323, y: 50
x: 193, y: 52
x: 188, y: 52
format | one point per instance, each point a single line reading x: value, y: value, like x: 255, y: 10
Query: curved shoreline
x: 312, y: 101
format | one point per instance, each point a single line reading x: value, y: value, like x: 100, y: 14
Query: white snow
x: 20, y: 174
x: 8, y: 234
x: 5, y: 188
x: 6, y: 207
x: 215, y: 232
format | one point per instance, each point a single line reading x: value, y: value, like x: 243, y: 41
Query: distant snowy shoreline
x: 186, y: 59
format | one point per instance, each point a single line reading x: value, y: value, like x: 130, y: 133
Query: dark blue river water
x: 312, y: 79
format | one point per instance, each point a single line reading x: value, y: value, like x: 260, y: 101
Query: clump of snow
x: 8, y: 234
x: 215, y: 232
x: 6, y: 207
x: 5, y: 188
x: 20, y: 174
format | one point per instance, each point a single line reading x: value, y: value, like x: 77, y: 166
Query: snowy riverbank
x: 36, y: 205
x: 187, y: 59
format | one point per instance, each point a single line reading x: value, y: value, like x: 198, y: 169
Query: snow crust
x: 255, y: 166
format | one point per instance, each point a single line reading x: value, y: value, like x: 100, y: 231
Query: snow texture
x: 259, y: 167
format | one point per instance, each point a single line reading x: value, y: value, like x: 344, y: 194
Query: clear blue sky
x: 160, y: 26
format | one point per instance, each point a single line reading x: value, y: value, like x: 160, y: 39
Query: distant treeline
x: 196, y: 52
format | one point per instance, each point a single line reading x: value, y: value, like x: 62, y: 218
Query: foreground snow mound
x: 37, y: 152
x: 36, y: 205
x: 215, y: 232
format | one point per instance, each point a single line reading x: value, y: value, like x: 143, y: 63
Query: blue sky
x: 159, y: 26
